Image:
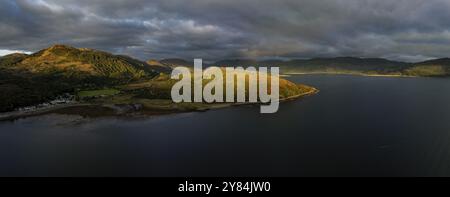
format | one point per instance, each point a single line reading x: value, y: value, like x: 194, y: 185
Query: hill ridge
x: 69, y: 60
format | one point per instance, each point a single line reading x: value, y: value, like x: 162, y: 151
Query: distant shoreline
x: 354, y: 74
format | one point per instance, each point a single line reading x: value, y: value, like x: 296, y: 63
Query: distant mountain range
x: 68, y: 61
x: 339, y: 65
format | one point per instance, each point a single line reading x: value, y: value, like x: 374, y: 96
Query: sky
x: 405, y: 30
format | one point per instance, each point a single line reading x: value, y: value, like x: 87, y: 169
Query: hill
x: 346, y: 65
x: 325, y: 65
x: 31, y: 79
x: 431, y: 68
x: 158, y: 66
x: 84, y: 62
x: 338, y: 65
x: 175, y: 62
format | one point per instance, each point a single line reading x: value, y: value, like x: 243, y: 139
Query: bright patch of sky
x: 4, y: 52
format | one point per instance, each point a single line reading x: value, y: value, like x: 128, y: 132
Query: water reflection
x: 356, y: 126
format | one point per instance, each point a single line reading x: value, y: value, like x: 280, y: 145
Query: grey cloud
x: 409, y: 30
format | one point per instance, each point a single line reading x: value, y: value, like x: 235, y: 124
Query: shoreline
x: 298, y: 96
x: 14, y: 115
x: 23, y: 114
x: 353, y: 74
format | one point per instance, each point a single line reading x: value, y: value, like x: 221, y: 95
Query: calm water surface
x: 355, y: 126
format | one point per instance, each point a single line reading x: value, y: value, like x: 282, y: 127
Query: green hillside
x: 83, y: 62
x: 431, y: 68
x: 31, y: 79
x: 9, y: 60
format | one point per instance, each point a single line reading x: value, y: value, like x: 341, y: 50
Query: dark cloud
x: 213, y: 29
